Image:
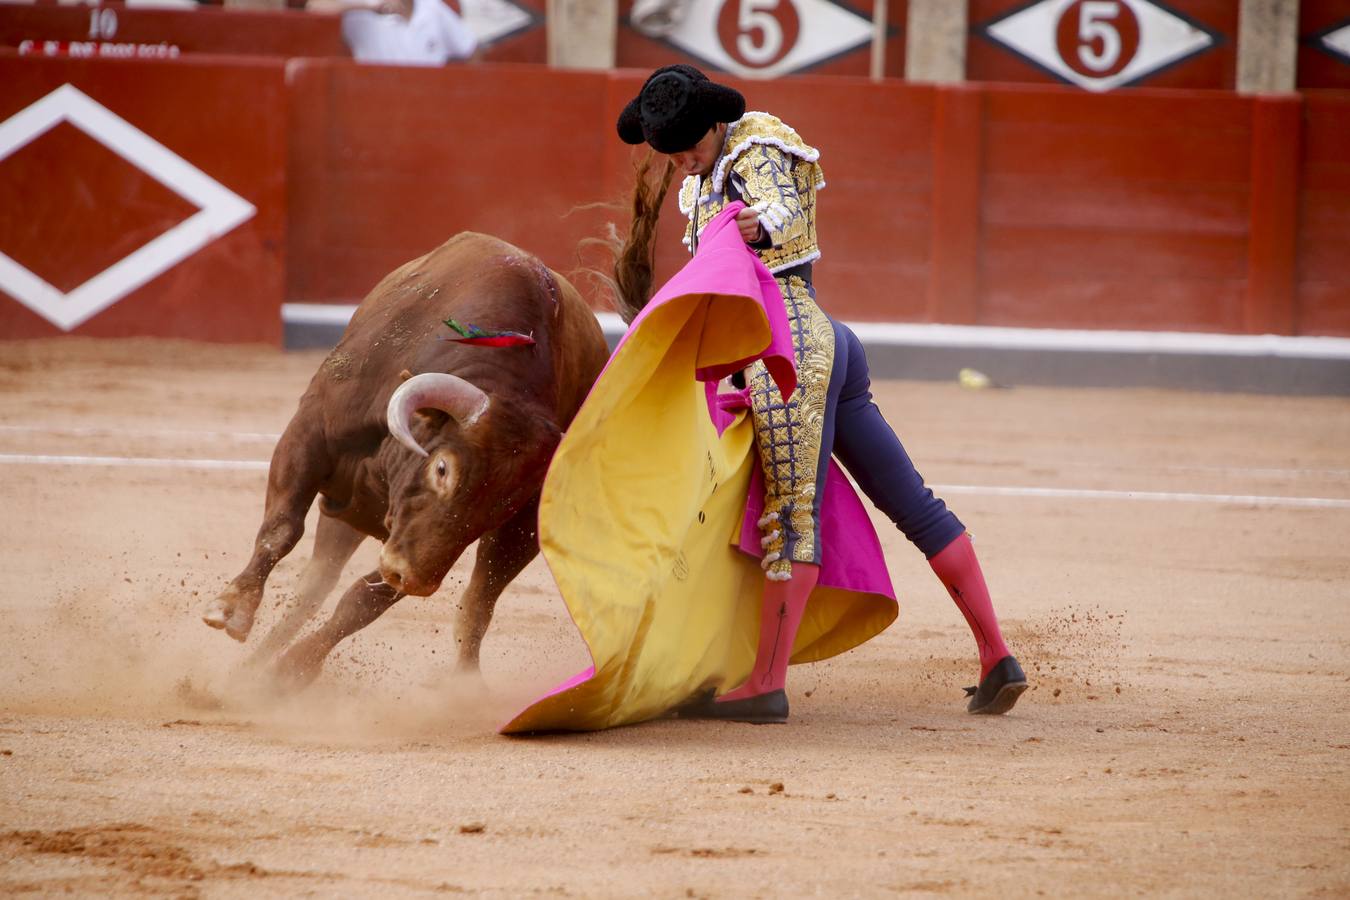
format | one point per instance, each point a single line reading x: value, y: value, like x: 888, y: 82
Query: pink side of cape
x: 725, y: 265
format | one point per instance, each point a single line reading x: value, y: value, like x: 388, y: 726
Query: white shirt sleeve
x: 433, y: 34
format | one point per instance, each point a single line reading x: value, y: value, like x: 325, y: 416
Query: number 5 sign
x: 758, y: 33
x: 1099, y: 44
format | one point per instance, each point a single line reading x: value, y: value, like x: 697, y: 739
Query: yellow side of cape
x: 639, y: 520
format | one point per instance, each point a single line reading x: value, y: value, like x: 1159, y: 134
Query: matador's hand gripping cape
x: 643, y: 514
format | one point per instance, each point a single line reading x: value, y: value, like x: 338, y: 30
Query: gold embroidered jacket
x: 776, y: 173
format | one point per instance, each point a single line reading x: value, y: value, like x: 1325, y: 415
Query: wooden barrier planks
x: 1006, y: 205
x: 1115, y: 211
x: 409, y: 157
x: 1018, y: 205
x: 1323, y: 235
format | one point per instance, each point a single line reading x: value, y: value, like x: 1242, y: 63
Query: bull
x: 423, y: 443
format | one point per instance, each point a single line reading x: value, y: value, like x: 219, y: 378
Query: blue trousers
x: 867, y: 447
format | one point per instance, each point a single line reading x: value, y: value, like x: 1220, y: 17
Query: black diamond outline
x: 1217, y: 40
x: 1315, y: 41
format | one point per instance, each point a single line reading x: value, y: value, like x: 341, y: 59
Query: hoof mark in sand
x: 136, y: 850
x: 707, y: 852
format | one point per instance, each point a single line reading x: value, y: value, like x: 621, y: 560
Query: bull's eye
x: 440, y: 468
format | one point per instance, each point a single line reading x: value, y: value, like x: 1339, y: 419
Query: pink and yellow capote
x: 647, y: 518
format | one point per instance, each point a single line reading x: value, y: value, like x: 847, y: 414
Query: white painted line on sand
x: 970, y: 489
x: 91, y: 431
x: 143, y: 462
x: 1242, y: 471
x: 271, y: 437
x: 1168, y: 496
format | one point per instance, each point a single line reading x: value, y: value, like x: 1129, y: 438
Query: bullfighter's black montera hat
x: 676, y: 108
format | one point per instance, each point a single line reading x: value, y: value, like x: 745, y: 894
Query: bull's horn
x: 433, y: 390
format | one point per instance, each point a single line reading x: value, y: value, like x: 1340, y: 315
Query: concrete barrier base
x: 1258, y: 364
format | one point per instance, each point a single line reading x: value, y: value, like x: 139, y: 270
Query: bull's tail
x: 634, y: 258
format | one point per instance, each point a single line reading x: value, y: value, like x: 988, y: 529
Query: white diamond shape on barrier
x: 1164, y: 38
x: 826, y: 30
x: 220, y: 209
x: 493, y: 20
x: 1338, y: 42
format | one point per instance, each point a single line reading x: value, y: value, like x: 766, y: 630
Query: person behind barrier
x: 727, y: 154
x: 401, y: 32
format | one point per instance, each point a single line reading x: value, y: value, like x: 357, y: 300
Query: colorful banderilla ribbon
x: 472, y: 334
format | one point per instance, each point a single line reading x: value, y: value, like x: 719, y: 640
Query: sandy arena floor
x: 1188, y: 734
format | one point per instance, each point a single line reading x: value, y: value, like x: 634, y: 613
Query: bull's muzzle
x: 396, y: 572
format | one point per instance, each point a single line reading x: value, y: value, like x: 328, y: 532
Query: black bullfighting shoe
x: 764, y: 709
x: 999, y: 690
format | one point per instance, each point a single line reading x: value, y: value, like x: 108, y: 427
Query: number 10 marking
x: 102, y: 23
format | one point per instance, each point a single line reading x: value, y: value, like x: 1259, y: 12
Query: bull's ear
x: 404, y: 375
x: 549, y: 432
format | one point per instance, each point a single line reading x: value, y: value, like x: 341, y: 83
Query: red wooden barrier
x: 1002, y: 205
x: 387, y: 163
x: 954, y: 285
x: 1124, y: 210
x: 142, y: 198
x: 117, y: 31
x: 1323, y: 236
x: 1273, y: 215
x: 997, y: 205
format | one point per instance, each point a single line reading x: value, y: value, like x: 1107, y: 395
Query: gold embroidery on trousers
x: 789, y: 435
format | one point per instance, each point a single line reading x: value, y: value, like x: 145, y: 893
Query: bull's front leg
x: 502, y: 555
x: 364, y: 602
x: 298, y: 467
x: 334, y: 543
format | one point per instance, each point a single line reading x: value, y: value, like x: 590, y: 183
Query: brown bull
x: 423, y: 443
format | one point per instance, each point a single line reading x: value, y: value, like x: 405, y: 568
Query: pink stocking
x: 960, y: 573
x: 780, y: 616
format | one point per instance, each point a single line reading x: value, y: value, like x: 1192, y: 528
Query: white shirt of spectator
x: 430, y: 36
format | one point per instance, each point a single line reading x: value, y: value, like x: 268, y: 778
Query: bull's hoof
x: 218, y: 616
x: 233, y: 612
